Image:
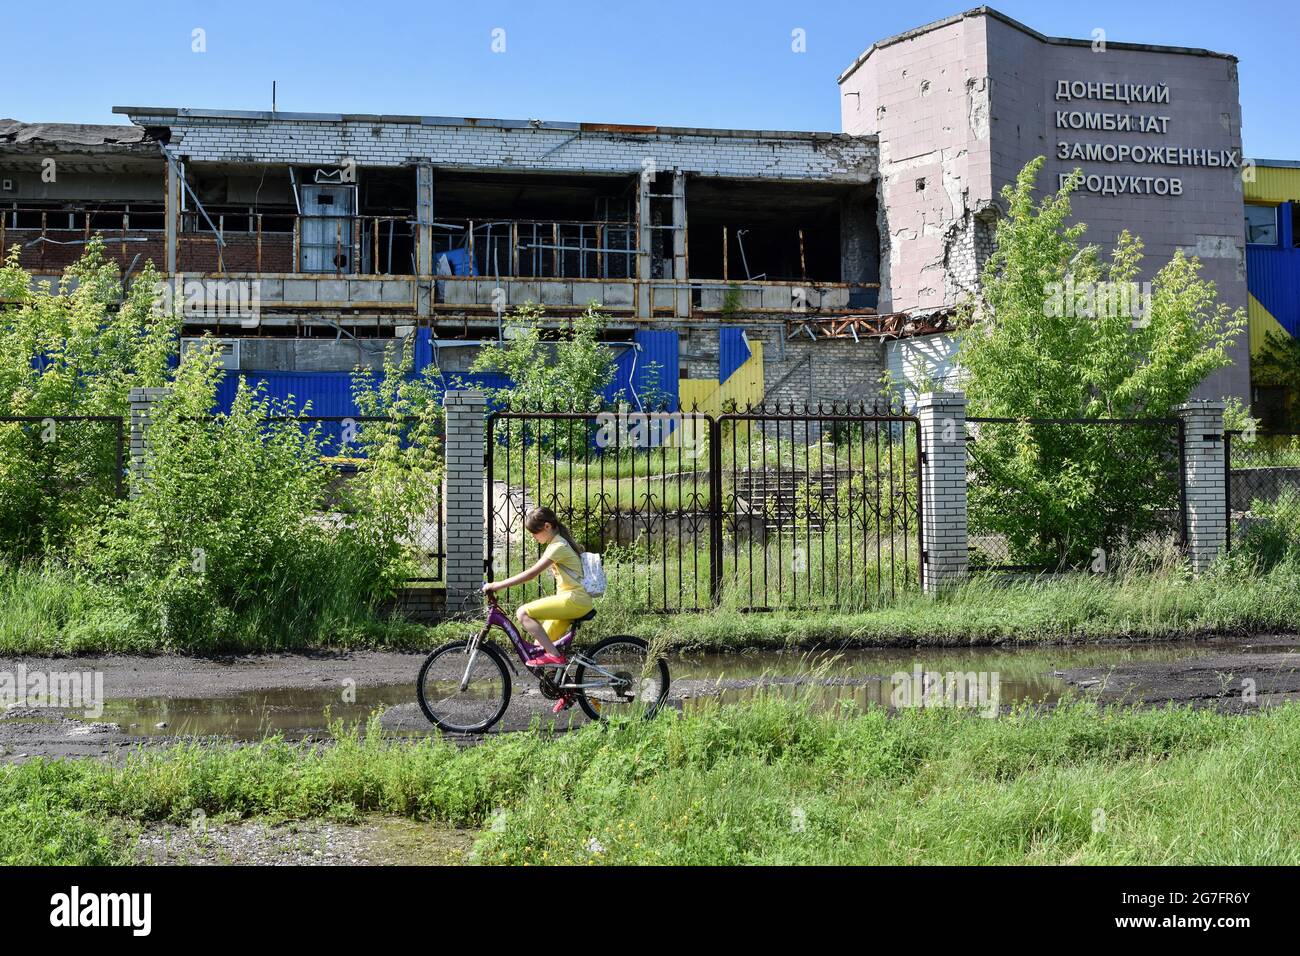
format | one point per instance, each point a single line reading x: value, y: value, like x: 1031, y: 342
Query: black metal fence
x: 56, y: 473
x: 818, y: 508
x: 756, y: 509
x: 1262, y: 479
x: 1072, y: 494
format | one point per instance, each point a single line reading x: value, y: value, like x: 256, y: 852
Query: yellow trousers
x: 556, y: 611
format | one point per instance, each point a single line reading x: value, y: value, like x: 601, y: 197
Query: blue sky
x: 701, y: 63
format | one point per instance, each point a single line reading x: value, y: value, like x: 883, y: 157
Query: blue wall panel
x: 330, y: 393
x: 733, y: 352
x: 659, y: 346
x: 1273, y: 274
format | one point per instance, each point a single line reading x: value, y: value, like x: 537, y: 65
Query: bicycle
x: 464, y: 687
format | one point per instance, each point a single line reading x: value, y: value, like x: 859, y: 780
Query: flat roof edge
x: 265, y: 116
x: 1010, y: 21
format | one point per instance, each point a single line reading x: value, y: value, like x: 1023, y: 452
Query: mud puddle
x: 865, y: 677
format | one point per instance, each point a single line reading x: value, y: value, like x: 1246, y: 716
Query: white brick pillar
x: 142, y: 402
x: 465, y: 497
x: 943, y: 489
x: 1204, y: 480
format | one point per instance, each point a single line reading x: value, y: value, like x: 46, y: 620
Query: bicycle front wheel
x: 620, y: 675
x: 464, y: 687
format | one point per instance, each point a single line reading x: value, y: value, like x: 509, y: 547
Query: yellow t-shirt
x: 566, y: 566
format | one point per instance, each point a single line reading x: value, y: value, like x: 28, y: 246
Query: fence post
x: 142, y: 402
x: 943, y: 489
x: 1203, y: 479
x: 466, y: 498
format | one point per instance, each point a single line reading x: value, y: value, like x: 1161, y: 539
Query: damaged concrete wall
x: 961, y: 105
x: 311, y: 354
x: 926, y: 98
x: 1202, y: 111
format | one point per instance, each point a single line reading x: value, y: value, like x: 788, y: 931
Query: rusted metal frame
x: 358, y: 224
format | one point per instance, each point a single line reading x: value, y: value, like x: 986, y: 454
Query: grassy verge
x: 767, y: 782
x: 49, y: 613
x: 1161, y: 605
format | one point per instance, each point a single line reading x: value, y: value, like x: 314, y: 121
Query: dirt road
x: 157, y: 700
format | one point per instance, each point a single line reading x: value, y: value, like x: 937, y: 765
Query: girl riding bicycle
x: 547, y: 618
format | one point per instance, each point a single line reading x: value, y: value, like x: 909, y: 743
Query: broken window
x: 779, y: 232
x: 1261, y: 225
x: 580, y: 227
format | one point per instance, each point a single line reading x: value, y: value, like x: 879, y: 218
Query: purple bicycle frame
x: 525, y: 649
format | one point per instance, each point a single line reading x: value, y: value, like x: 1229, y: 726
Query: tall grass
x: 54, y: 609
x: 767, y: 782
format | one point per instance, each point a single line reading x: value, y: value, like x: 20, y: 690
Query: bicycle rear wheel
x: 464, y: 692
x: 619, y: 675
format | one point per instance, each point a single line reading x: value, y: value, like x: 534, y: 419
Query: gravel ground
x: 383, y: 841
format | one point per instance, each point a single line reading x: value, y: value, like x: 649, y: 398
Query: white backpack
x: 593, y: 575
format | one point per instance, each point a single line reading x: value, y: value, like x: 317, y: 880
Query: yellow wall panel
x: 1260, y: 323
x: 1274, y: 184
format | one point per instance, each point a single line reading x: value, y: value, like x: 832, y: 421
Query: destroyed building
x: 739, y: 265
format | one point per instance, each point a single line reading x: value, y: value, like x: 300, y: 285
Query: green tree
x: 569, y: 372
x: 1056, y: 331
x: 564, y: 374
x: 244, y: 533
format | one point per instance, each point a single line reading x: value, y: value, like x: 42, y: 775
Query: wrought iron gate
x: 757, y: 509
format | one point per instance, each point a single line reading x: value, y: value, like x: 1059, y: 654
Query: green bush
x: 75, y: 351
x: 231, y: 539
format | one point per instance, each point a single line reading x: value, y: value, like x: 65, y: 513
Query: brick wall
x: 551, y: 147
x: 832, y: 370
x: 1203, y: 467
x: 943, y: 489
x: 465, y: 499
x: 51, y: 257
x: 198, y: 253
